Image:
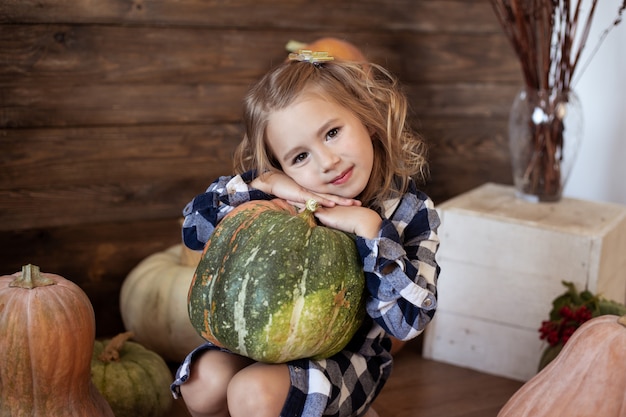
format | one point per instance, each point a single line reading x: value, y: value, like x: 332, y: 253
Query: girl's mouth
x: 343, y: 178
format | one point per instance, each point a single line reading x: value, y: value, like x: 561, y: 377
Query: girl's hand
x: 279, y: 184
x: 361, y: 221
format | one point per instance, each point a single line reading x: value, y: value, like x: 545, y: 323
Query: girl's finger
x: 342, y: 201
x: 296, y: 204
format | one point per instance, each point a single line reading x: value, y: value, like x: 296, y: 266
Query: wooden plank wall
x: 115, y: 113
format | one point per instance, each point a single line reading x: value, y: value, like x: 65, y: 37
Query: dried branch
x: 544, y: 33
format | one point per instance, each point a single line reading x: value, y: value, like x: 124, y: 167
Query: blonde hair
x: 369, y: 91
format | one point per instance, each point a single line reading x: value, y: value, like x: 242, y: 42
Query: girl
x: 335, y: 132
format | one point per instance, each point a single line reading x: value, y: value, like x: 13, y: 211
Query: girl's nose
x: 328, y: 160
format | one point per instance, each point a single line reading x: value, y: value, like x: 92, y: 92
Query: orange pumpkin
x: 337, y: 48
x: 585, y: 379
x: 47, y: 328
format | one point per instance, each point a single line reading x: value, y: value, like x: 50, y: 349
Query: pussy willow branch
x: 617, y: 21
x: 584, y: 36
x: 543, y: 34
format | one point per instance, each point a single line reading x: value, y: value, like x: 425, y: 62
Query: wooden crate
x: 503, y: 261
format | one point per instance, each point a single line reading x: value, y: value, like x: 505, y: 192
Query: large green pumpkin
x: 274, y: 286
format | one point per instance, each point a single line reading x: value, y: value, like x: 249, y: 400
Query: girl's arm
x: 277, y: 183
x: 206, y: 210
x: 400, y: 268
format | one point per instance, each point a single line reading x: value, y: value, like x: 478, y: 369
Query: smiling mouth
x: 341, y: 179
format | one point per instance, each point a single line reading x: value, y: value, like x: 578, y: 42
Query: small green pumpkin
x: 134, y: 380
x: 274, y: 286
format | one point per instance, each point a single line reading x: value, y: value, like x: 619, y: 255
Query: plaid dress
x: 401, y: 276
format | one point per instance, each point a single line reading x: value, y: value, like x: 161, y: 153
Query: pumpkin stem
x: 307, y: 214
x: 31, y: 278
x: 111, y: 352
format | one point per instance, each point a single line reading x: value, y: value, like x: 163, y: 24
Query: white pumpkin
x: 153, y: 302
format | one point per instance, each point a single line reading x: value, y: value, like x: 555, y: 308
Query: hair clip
x: 310, y: 56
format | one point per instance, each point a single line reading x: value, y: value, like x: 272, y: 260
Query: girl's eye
x: 300, y: 157
x: 332, y: 133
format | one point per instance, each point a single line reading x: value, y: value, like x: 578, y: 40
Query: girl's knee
x: 259, y: 391
x: 202, y: 400
x: 204, y: 392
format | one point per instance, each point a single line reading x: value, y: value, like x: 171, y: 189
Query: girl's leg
x: 204, y: 392
x: 260, y: 390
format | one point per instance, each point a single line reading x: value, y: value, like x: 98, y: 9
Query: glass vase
x: 545, y: 129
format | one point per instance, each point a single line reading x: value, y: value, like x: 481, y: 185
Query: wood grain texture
x: 426, y: 15
x: 422, y: 388
x: 57, y: 177
x: 172, y: 55
x: 97, y: 257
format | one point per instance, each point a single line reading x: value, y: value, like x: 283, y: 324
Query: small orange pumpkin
x: 47, y: 333
x: 585, y: 379
x: 337, y: 48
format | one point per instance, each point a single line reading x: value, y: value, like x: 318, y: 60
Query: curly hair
x: 369, y: 91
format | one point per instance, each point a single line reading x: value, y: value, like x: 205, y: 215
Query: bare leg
x: 204, y: 392
x: 260, y: 390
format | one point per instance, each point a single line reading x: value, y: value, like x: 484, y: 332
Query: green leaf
x: 611, y: 307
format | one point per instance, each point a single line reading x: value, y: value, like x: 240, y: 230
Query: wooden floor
x: 423, y: 388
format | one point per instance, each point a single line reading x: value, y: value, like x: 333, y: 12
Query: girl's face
x: 321, y: 146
